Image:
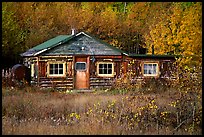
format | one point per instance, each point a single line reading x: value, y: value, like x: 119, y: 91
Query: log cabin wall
x: 68, y: 82
x: 46, y: 81
x: 166, y: 67
x: 97, y: 81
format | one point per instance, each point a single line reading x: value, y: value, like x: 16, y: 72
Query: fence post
x: 2, y: 73
x: 6, y: 74
x: 9, y: 73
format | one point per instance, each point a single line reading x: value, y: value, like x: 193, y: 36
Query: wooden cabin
x: 82, y: 61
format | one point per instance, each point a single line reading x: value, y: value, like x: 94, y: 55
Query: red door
x: 81, y: 68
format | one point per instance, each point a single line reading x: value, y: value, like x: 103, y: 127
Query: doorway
x: 81, y: 68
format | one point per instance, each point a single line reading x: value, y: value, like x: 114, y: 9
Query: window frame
x: 56, y: 75
x: 80, y: 69
x: 151, y: 75
x: 105, y: 75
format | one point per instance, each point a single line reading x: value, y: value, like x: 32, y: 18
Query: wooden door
x: 42, y: 69
x: 81, y: 68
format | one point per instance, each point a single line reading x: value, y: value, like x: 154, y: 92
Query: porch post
x: 38, y: 79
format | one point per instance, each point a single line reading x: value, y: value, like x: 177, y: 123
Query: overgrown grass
x: 30, y: 110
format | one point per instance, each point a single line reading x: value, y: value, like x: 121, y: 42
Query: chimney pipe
x: 73, y: 31
x: 152, y: 49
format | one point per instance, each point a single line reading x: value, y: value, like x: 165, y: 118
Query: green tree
x: 13, y: 36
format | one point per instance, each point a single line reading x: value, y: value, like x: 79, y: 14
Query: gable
x: 83, y: 44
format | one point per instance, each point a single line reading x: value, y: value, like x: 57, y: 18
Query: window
x: 56, y: 69
x: 80, y: 66
x: 105, y: 69
x: 150, y: 69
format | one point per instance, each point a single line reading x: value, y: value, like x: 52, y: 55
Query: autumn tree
x: 168, y: 26
x: 179, y: 32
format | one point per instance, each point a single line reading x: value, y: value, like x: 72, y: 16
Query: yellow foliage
x: 179, y: 31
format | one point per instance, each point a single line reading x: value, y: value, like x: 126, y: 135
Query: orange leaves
x: 162, y: 24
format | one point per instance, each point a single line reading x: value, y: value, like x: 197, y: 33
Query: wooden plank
x: 42, y: 69
x: 108, y: 57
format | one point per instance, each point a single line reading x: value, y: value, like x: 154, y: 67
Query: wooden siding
x: 58, y: 82
x: 44, y: 81
x: 42, y: 68
x: 104, y: 82
x: 121, y: 67
x: 166, y: 69
x: 100, y: 82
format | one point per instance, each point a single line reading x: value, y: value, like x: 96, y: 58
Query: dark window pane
x: 61, y: 71
x: 61, y: 66
x: 100, y: 65
x: 105, y: 71
x: 51, y: 66
x: 109, y: 71
x: 100, y: 71
x: 80, y: 66
x: 51, y: 72
x: 110, y: 66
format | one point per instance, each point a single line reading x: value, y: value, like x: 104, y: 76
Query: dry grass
x: 33, y: 111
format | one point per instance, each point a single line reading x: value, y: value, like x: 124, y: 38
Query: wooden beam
x: 38, y: 78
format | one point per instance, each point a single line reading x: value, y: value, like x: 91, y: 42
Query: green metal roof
x: 152, y: 56
x: 47, y: 44
x: 52, y: 42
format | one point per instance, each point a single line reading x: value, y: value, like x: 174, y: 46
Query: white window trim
x: 151, y: 75
x: 56, y: 75
x: 32, y: 70
x: 105, y: 75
